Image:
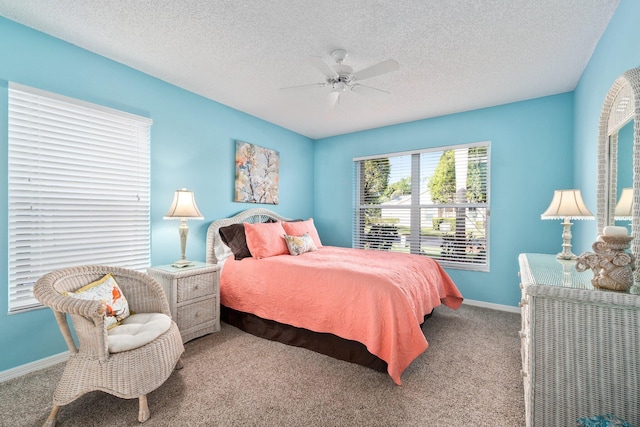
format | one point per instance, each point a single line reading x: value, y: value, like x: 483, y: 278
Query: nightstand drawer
x: 195, y: 286
x: 197, y: 313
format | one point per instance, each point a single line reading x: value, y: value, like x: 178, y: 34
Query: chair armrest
x: 143, y: 293
x: 45, y: 292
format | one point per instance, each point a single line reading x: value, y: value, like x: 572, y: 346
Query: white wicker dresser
x: 580, y: 346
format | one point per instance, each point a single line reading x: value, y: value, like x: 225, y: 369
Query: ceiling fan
x: 340, y: 78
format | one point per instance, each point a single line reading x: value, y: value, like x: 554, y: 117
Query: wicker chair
x: 127, y: 374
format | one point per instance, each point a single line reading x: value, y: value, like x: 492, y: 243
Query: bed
x: 365, y: 307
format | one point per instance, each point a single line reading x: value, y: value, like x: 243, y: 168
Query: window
x: 78, y: 188
x: 432, y: 202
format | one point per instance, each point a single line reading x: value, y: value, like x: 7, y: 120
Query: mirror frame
x: 628, y: 82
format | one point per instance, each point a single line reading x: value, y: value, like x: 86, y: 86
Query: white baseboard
x: 493, y: 306
x: 19, y: 371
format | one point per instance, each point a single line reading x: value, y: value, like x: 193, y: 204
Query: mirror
x: 619, y: 155
x: 624, y: 167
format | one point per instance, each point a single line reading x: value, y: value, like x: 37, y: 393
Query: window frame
x: 415, y: 207
x: 78, y: 188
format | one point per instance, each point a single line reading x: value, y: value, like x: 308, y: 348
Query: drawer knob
x: 197, y: 314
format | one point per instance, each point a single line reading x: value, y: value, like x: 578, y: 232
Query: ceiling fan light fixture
x: 340, y: 84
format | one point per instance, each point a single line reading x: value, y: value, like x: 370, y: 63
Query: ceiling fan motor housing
x: 344, y: 72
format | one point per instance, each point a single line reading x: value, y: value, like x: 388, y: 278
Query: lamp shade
x: 567, y: 204
x: 183, y: 206
x: 624, y: 208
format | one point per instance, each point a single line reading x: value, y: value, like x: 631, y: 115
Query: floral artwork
x: 257, y: 174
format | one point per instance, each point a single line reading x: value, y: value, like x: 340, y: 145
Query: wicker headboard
x: 217, y: 251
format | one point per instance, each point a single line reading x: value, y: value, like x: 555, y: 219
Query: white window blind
x: 78, y: 188
x: 431, y: 202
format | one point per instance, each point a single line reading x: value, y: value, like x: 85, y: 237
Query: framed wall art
x: 257, y: 174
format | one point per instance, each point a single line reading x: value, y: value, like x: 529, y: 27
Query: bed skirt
x: 323, y: 343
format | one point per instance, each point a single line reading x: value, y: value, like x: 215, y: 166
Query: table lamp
x: 566, y: 205
x: 183, y: 208
x: 624, y: 208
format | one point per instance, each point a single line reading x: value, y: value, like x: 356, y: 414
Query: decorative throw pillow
x: 265, y: 239
x: 298, y: 228
x: 300, y: 244
x: 234, y: 237
x: 107, y: 290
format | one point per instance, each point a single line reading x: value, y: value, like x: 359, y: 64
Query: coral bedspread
x: 376, y: 298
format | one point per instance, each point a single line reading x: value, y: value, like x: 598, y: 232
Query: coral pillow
x: 107, y: 290
x: 298, y: 228
x: 265, y: 239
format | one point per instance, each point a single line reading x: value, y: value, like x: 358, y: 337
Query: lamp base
x: 182, y: 263
x: 566, y: 241
x: 566, y: 256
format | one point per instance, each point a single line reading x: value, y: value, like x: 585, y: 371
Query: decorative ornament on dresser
x: 612, y: 265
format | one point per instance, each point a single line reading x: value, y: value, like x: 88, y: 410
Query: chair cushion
x: 137, y: 330
x: 107, y: 290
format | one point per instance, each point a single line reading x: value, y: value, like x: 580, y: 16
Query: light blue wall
x: 531, y: 145
x: 617, y: 52
x: 192, y: 146
x: 532, y: 154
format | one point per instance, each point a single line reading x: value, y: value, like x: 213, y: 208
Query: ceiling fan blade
x: 334, y: 99
x: 368, y: 90
x: 304, y: 87
x: 375, y: 70
x: 322, y: 66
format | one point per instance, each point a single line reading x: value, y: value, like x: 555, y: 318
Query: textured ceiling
x: 454, y: 55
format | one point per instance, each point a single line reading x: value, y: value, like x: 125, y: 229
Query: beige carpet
x: 469, y: 376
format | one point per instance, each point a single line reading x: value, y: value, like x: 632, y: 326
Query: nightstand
x: 194, y: 297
